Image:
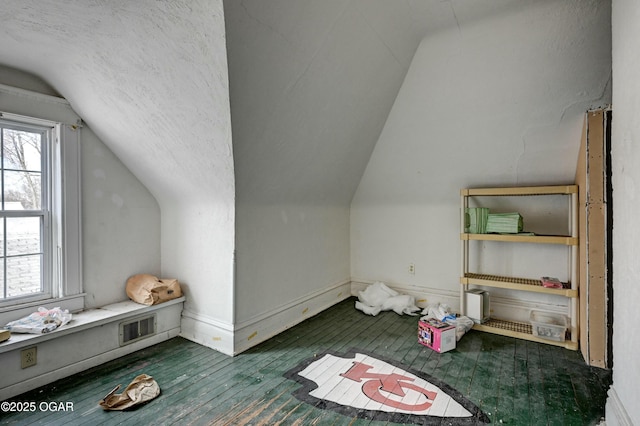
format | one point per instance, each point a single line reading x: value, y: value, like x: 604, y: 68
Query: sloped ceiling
x: 311, y: 81
x: 312, y: 84
x: 143, y: 75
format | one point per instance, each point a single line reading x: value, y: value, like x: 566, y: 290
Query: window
x: 28, y: 218
x: 26, y: 237
x: 40, y: 199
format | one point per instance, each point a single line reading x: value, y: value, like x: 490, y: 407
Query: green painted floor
x: 512, y: 381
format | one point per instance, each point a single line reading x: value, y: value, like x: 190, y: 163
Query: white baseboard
x: 424, y: 295
x: 266, y: 325
x: 616, y: 414
x: 501, y: 307
x: 519, y: 310
x: 207, y: 331
x: 232, y: 339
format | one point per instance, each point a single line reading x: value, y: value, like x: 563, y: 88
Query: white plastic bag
x: 378, y: 297
x: 439, y: 311
x: 443, y: 312
x: 43, y: 321
x: 463, y: 324
x: 401, y: 304
x: 376, y: 294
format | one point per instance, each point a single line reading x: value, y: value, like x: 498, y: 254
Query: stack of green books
x: 504, y: 223
x: 476, y: 220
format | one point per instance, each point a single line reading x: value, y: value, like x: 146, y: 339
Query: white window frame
x: 48, y: 243
x: 66, y: 251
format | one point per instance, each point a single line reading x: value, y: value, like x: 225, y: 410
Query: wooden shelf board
x: 513, y: 283
x: 522, y: 190
x: 519, y: 330
x: 515, y: 238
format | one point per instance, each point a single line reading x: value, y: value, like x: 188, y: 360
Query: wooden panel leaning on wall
x: 594, y: 200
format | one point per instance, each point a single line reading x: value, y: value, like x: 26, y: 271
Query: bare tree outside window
x: 21, y: 250
x: 21, y: 154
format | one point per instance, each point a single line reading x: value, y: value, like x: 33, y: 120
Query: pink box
x: 437, y: 335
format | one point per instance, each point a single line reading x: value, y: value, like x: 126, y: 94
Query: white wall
x: 622, y: 405
x: 150, y: 79
x: 496, y: 101
x: 120, y: 224
x: 120, y: 218
x: 311, y: 86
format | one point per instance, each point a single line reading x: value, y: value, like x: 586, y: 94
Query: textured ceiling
x: 311, y: 84
x: 144, y: 75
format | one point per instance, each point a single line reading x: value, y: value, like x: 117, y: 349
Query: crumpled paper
x: 42, y: 321
x: 142, y: 389
x: 378, y: 297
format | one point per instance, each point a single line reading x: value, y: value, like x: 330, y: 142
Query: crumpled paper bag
x: 150, y: 290
x: 142, y: 389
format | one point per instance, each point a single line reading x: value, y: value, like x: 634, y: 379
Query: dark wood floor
x: 512, y: 381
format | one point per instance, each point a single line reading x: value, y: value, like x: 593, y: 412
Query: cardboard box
x: 437, y: 335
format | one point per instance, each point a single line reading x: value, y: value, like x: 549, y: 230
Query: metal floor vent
x: 137, y: 329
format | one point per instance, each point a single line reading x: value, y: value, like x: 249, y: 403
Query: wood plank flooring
x: 512, y: 381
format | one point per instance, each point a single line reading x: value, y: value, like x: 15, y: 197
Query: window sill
x: 74, y: 303
x: 85, y: 320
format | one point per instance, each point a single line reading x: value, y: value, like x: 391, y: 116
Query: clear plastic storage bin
x: 548, y: 325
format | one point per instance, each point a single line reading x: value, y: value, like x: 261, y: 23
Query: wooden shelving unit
x: 537, y: 239
x: 467, y: 278
x: 513, y: 283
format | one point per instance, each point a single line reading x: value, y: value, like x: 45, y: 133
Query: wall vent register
x: 137, y: 329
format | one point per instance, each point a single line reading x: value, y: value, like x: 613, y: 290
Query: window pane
x: 22, y: 190
x: 21, y: 150
x: 23, y: 235
x: 23, y: 275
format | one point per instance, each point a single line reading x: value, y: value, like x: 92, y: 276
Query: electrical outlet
x: 412, y: 268
x: 29, y: 357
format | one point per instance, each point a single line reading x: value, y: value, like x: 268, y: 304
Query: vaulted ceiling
x: 311, y: 83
